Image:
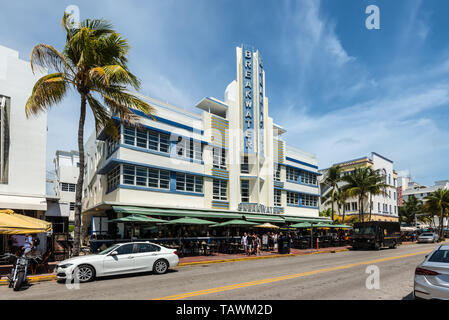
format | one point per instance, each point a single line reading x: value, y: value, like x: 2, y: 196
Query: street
x: 326, y: 276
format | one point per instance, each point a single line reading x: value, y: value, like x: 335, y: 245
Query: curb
x: 50, y: 277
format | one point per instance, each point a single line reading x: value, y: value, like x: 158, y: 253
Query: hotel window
x: 72, y: 206
x: 292, y: 174
x: 308, y: 178
x: 190, y: 183
x: 147, y: 139
x: 309, y: 200
x: 219, y: 157
x: 391, y: 211
x: 354, y: 206
x: 68, y: 187
x: 188, y: 148
x: 389, y: 179
x: 113, y: 178
x: 378, y: 207
x: 389, y: 194
x: 277, y: 198
x: 244, y: 189
x: 347, y: 207
x: 395, y: 195
x: 277, y: 172
x: 293, y: 198
x: 158, y: 179
x: 244, y: 166
x: 220, y: 189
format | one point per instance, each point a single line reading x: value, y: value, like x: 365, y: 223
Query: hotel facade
x: 228, y: 160
x: 384, y: 207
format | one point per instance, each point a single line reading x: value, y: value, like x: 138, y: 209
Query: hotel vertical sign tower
x: 253, y: 93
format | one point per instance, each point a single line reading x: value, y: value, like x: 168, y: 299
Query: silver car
x: 428, y: 237
x: 432, y: 276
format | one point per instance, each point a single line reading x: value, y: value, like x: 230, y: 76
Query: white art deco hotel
x: 226, y: 161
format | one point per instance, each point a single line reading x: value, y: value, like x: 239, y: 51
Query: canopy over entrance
x: 14, y: 223
x: 235, y: 223
x: 187, y: 220
x: 267, y: 225
x: 138, y: 219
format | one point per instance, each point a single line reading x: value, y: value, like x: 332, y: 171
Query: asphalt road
x: 325, y: 276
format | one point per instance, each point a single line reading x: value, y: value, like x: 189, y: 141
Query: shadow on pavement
x: 409, y: 297
x: 130, y: 275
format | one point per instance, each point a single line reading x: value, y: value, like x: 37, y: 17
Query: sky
x: 340, y: 90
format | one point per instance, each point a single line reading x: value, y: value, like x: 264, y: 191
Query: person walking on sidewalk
x: 250, y: 243
x: 245, y: 243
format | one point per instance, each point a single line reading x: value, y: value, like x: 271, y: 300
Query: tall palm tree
x: 438, y: 201
x: 340, y: 197
x: 94, y: 63
x: 360, y: 183
x: 333, y: 177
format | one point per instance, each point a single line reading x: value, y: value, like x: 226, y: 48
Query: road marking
x: 286, y: 277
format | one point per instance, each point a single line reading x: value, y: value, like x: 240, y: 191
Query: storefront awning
x: 235, y: 223
x: 176, y: 212
x: 192, y: 221
x: 14, y: 223
x: 138, y: 219
x: 264, y: 218
x: 301, y: 219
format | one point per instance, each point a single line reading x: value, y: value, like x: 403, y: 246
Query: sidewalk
x: 197, y: 260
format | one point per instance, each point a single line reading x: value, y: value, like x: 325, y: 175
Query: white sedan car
x: 120, y: 258
x: 432, y: 276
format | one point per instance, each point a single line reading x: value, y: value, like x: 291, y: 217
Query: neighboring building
x: 227, y: 161
x: 22, y: 141
x: 421, y: 191
x: 62, y: 210
x: 383, y: 208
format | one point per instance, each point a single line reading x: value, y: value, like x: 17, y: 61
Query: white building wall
x: 28, y: 137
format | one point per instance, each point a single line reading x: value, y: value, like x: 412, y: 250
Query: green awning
x: 307, y: 225
x: 177, y: 212
x: 342, y: 226
x: 264, y: 218
x: 138, y: 219
x: 187, y: 220
x: 305, y: 219
x: 235, y: 222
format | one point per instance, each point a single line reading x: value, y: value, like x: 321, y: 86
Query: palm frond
x: 47, y: 56
x: 48, y: 90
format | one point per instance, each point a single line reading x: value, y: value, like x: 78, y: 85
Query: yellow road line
x: 286, y: 277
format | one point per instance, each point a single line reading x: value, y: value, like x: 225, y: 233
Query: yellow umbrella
x: 267, y: 225
x: 14, y: 223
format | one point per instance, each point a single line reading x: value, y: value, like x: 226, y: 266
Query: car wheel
x: 84, y: 273
x: 160, y: 266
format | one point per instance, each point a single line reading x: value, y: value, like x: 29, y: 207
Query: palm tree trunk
x: 441, y: 224
x: 360, y: 208
x: 370, y: 205
x: 333, y: 195
x: 343, y: 214
x: 79, y: 184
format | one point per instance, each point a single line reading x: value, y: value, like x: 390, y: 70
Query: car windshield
x: 427, y: 235
x: 440, y: 256
x: 365, y: 230
x: 112, y: 248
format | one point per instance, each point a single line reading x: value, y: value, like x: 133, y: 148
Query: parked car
x: 428, y: 237
x: 120, y: 258
x: 432, y: 276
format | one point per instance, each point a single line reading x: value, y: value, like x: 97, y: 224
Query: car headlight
x: 64, y: 266
x: 368, y: 240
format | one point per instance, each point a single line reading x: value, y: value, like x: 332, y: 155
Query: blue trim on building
x: 110, y: 164
x: 301, y: 162
x: 123, y: 186
x: 167, y: 121
x: 296, y: 191
x: 164, y: 154
x: 301, y: 206
x: 301, y: 169
x: 301, y: 183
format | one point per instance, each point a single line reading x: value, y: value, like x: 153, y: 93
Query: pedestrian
x: 28, y: 245
x: 290, y: 242
x: 250, y: 241
x: 256, y: 244
x: 275, y: 241
x: 413, y: 237
x: 245, y: 243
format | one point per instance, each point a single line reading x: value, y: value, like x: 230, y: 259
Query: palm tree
x: 341, y: 196
x: 333, y: 177
x: 438, y: 201
x: 410, y: 208
x: 361, y: 182
x: 94, y: 63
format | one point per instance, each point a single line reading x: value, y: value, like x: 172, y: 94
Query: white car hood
x: 82, y: 259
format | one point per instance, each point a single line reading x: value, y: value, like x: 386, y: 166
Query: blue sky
x: 339, y: 89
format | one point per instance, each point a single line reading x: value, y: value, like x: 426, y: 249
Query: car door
x: 145, y: 256
x: 122, y: 262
